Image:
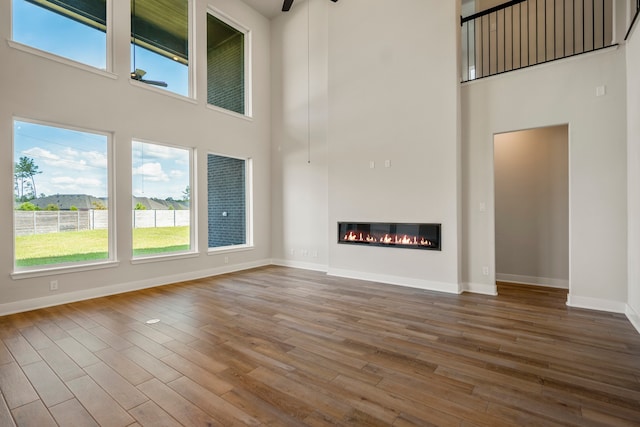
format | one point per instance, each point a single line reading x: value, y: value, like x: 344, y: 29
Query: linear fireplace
x: 390, y: 234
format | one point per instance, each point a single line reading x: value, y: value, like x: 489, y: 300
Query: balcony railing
x: 522, y: 33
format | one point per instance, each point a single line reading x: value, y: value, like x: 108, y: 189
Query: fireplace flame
x: 387, y: 239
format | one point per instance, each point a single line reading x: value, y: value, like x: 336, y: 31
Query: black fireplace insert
x: 390, y: 234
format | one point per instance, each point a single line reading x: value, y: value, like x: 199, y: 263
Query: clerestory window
x: 72, y: 29
x: 160, y: 49
x: 227, y: 74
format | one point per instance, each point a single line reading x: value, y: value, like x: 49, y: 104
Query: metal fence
x: 522, y: 33
x: 42, y: 222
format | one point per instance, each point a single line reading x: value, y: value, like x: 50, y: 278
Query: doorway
x: 531, y: 170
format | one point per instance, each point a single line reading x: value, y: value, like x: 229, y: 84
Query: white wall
x: 633, y: 152
x: 393, y: 95
x: 557, y: 93
x: 41, y: 89
x: 531, y: 174
x: 299, y: 135
x: 372, y: 99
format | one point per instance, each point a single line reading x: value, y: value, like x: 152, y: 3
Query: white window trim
x: 193, y: 207
x: 61, y: 59
x: 43, y: 270
x: 228, y: 249
x: 248, y: 194
x: 157, y: 258
x: 60, y: 269
x: 248, y: 88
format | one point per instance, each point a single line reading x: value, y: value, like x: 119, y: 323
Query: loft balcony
x: 522, y: 33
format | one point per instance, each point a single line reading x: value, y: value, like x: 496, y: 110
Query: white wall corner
x: 480, y: 288
x: 596, y: 304
x: 633, y: 316
x: 428, y: 285
x: 85, y: 294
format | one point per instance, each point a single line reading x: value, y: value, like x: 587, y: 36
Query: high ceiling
x: 269, y: 8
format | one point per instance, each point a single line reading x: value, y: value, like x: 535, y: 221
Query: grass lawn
x: 77, y: 246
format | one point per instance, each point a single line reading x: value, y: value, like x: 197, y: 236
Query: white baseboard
x: 480, y: 288
x: 301, y: 265
x: 633, y: 317
x: 85, y: 294
x: 533, y: 280
x: 429, y: 285
x: 596, y: 304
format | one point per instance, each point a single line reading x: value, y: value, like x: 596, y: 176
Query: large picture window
x: 162, y: 213
x: 226, y: 73
x: 228, y: 201
x: 160, y: 44
x: 73, y: 29
x: 61, y: 196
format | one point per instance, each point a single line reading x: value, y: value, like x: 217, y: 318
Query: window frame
x: 248, y: 191
x: 51, y: 269
x: 109, y: 47
x: 193, y: 208
x: 248, y: 89
x: 191, y: 63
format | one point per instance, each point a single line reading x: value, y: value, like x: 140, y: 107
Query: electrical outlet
x: 485, y: 271
x: 53, y: 285
x: 226, y: 260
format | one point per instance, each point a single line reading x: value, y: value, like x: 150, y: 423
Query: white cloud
x: 74, y: 185
x: 41, y: 153
x: 66, y: 159
x: 151, y: 172
x: 148, y: 151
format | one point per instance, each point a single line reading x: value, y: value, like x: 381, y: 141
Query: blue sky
x: 75, y: 162
x: 71, y: 162
x: 159, y: 170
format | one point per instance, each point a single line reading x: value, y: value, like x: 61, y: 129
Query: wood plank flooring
x: 285, y: 347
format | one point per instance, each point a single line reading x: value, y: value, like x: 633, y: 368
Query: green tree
x: 99, y: 206
x: 140, y: 207
x: 73, y: 208
x: 52, y: 207
x: 24, y: 176
x: 28, y: 206
x: 186, y: 194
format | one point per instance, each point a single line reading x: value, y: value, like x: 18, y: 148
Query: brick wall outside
x: 225, y: 74
x: 226, y: 193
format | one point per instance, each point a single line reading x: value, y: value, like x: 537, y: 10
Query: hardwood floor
x: 279, y: 346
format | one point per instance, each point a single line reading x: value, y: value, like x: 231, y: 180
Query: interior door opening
x: 531, y: 178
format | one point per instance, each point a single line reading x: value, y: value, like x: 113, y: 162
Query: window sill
x: 168, y: 257
x: 60, y: 59
x: 229, y: 249
x: 50, y: 271
x: 163, y: 91
x: 230, y: 113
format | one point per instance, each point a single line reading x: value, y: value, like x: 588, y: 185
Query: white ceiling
x: 269, y: 8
